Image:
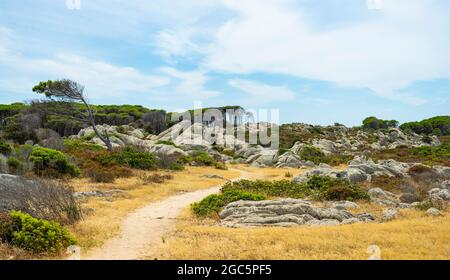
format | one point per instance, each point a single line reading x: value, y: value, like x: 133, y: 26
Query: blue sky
x: 317, y: 61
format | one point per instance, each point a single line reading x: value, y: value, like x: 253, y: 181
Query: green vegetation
x: 317, y: 187
x: 202, y: 158
x: 32, y: 234
x: 425, y: 154
x: 313, y: 154
x: 14, y: 165
x: 212, y: 204
x: 442, y: 151
x: 317, y: 156
x: 52, y: 163
x: 375, y: 123
x: 166, y: 142
x: 439, y: 125
x: 130, y: 157
x: 5, y: 148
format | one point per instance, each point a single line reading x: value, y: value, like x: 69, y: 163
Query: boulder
x: 357, y: 175
x: 265, y: 157
x: 442, y: 171
x: 343, y: 205
x: 441, y: 193
x: 289, y: 159
x: 433, y: 212
x: 389, y: 214
x: 283, y: 212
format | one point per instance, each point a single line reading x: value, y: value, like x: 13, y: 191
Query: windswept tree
x: 66, y: 92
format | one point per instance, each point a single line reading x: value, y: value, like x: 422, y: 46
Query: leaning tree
x: 66, y: 92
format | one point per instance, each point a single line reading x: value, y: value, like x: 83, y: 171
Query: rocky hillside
x: 336, y: 144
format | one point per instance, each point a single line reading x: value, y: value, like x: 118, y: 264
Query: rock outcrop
x: 360, y: 170
x: 286, y: 213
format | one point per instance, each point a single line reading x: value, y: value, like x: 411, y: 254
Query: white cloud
x: 100, y: 78
x: 180, y: 42
x: 262, y: 93
x: 191, y: 84
x: 404, y: 42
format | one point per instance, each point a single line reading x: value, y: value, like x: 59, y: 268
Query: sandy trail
x: 145, y: 228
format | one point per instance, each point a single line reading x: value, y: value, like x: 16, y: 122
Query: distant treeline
x: 19, y: 120
x: 439, y: 125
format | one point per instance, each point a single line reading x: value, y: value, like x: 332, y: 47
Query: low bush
x: 318, y: 187
x: 317, y: 156
x: 5, y: 148
x: 212, y: 204
x: 33, y: 234
x: 425, y: 154
x: 335, y: 189
x: 100, y: 174
x: 312, y: 154
x: 130, y: 157
x: 14, y: 165
x: 167, y: 162
x: 155, y: 178
x: 317, y: 182
x: 44, y: 199
x: 283, y: 188
x: 220, y: 165
x: 201, y: 158
x: 392, y: 184
x: 428, y: 151
x: 166, y: 142
x: 344, y: 190
x: 52, y: 163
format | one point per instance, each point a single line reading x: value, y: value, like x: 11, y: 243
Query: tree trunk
x: 105, y: 139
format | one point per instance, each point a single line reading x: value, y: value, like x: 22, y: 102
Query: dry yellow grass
x: 412, y: 236
x: 105, y: 221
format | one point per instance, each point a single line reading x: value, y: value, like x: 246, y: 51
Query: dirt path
x: 144, y: 228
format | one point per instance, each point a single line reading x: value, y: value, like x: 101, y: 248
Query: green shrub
x: 14, y: 164
x: 212, y: 204
x: 130, y: 157
x: 427, y: 151
x: 344, y: 190
x: 313, y: 154
x: 51, y: 163
x: 36, y: 235
x: 201, y: 158
x: 166, y: 142
x: 318, y: 187
x: 5, y: 148
x: 78, y: 144
x: 317, y: 182
x: 175, y: 166
x: 335, y: 189
x: 221, y: 166
x: 283, y: 188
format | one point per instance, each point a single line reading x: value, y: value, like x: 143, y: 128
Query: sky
x: 316, y: 61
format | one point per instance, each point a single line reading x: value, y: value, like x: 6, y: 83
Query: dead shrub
x: 155, y: 178
x: 44, y: 199
x: 391, y: 184
x: 99, y: 174
x: 425, y: 177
